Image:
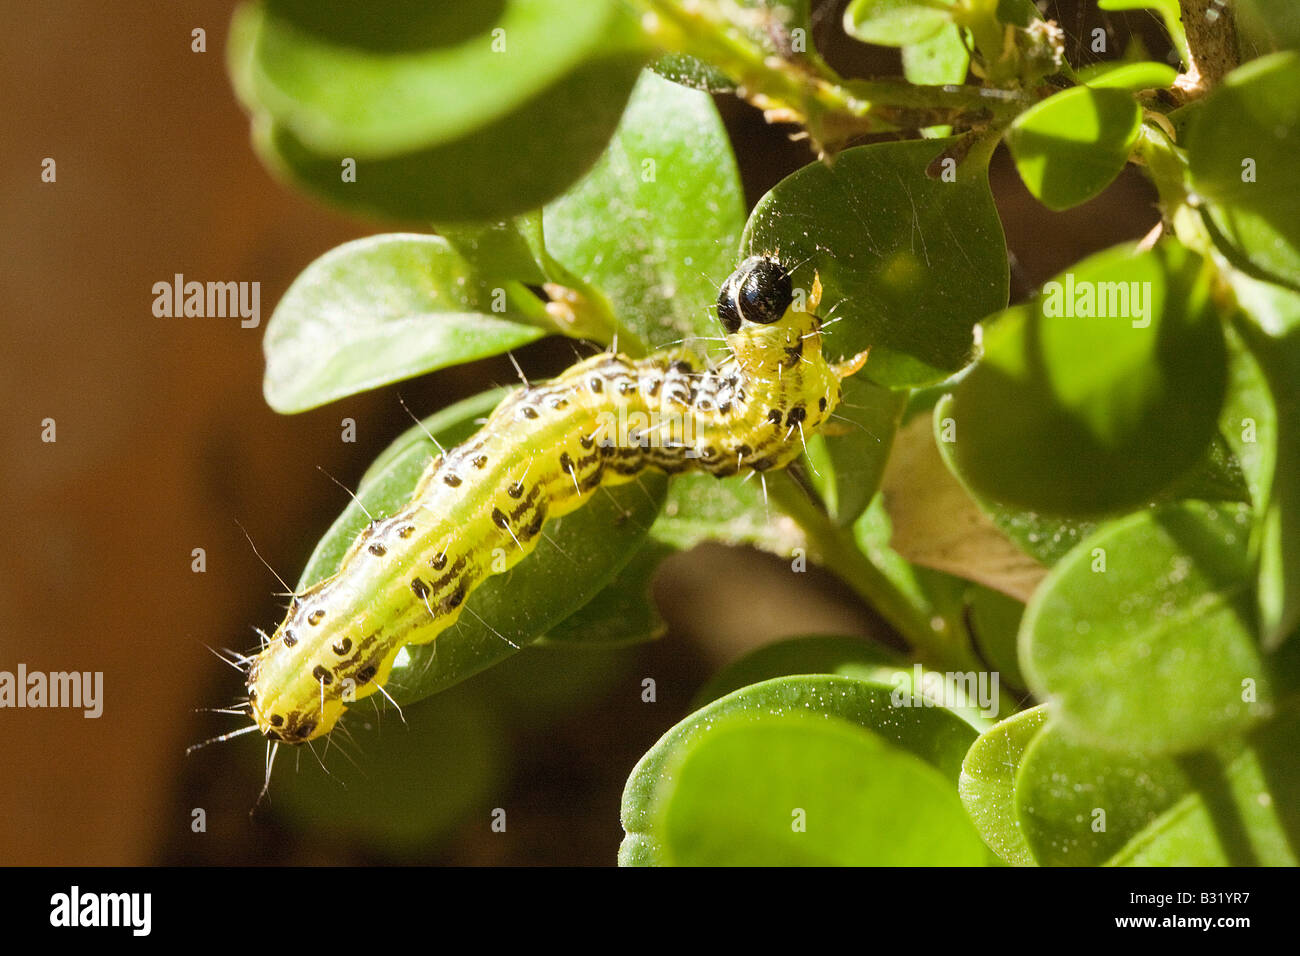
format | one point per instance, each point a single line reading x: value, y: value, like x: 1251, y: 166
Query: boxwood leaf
x: 1134, y: 77
x: 796, y: 790
x: 853, y: 451
x: 670, y: 183
x: 1265, y: 432
x: 896, y: 22
x: 395, y: 76
x: 504, y: 168
x: 1115, y: 400
x: 1242, y: 812
x: 1143, y: 636
x: 910, y: 263
x: 1233, y: 805
x: 1078, y: 805
x: 988, y: 783
x: 382, y: 309
x: 830, y: 654
x: 1068, y: 147
x: 1241, y: 150
x: 931, y: 735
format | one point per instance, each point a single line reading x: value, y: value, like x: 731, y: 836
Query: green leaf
x: 801, y: 791
x: 910, y: 263
x: 1168, y: 12
x: 731, y: 511
x: 931, y: 734
x: 988, y: 783
x: 578, y: 556
x: 688, y: 71
x: 1232, y: 806
x: 379, y: 310
x: 1068, y: 147
x: 1265, y: 433
x: 896, y: 22
x: 1241, y: 149
x: 850, y: 465
x: 623, y: 613
x: 669, y: 183
x: 508, y: 166
x: 845, y: 656
x: 393, y: 76
x: 1114, y: 408
x: 1243, y: 812
x: 501, y: 250
x: 994, y: 621
x: 1079, y: 806
x: 1143, y: 637
x: 1045, y: 538
x: 942, y: 59
x: 1133, y: 77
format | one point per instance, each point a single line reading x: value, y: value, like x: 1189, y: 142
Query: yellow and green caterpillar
x: 543, y: 453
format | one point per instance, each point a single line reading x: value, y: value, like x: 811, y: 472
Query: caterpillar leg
x: 852, y: 365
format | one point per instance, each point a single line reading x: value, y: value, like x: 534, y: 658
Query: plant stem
x: 940, y: 648
x: 805, y: 90
x: 1211, y: 46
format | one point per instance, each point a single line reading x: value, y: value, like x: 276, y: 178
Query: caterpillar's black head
x: 760, y: 291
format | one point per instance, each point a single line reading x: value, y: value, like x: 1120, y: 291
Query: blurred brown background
x: 163, y: 441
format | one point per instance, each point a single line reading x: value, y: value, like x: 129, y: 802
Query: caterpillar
x: 542, y: 453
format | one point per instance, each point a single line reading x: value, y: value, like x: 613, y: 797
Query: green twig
x: 941, y: 648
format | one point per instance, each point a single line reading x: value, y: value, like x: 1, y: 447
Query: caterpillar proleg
x: 544, y: 451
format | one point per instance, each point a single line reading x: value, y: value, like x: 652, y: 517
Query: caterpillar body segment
x: 481, y: 507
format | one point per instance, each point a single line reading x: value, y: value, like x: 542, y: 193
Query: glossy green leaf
x: 896, y: 22
x: 729, y: 511
x: 940, y: 60
x: 1078, y: 805
x: 994, y: 622
x: 1243, y: 812
x: 1102, y: 392
x: 578, y: 556
x: 688, y: 71
x: 1133, y: 77
x: 909, y: 263
x: 383, y: 309
x: 1068, y: 147
x: 507, y: 167
x: 393, y: 76
x: 501, y: 250
x: 845, y: 656
x: 1265, y: 433
x: 1234, y: 805
x: 1143, y: 637
x: 1046, y: 538
x: 931, y: 734
x: 802, y: 791
x: 988, y: 783
x: 855, y: 447
x: 1242, y: 148
x: 624, y: 612
x: 670, y: 186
